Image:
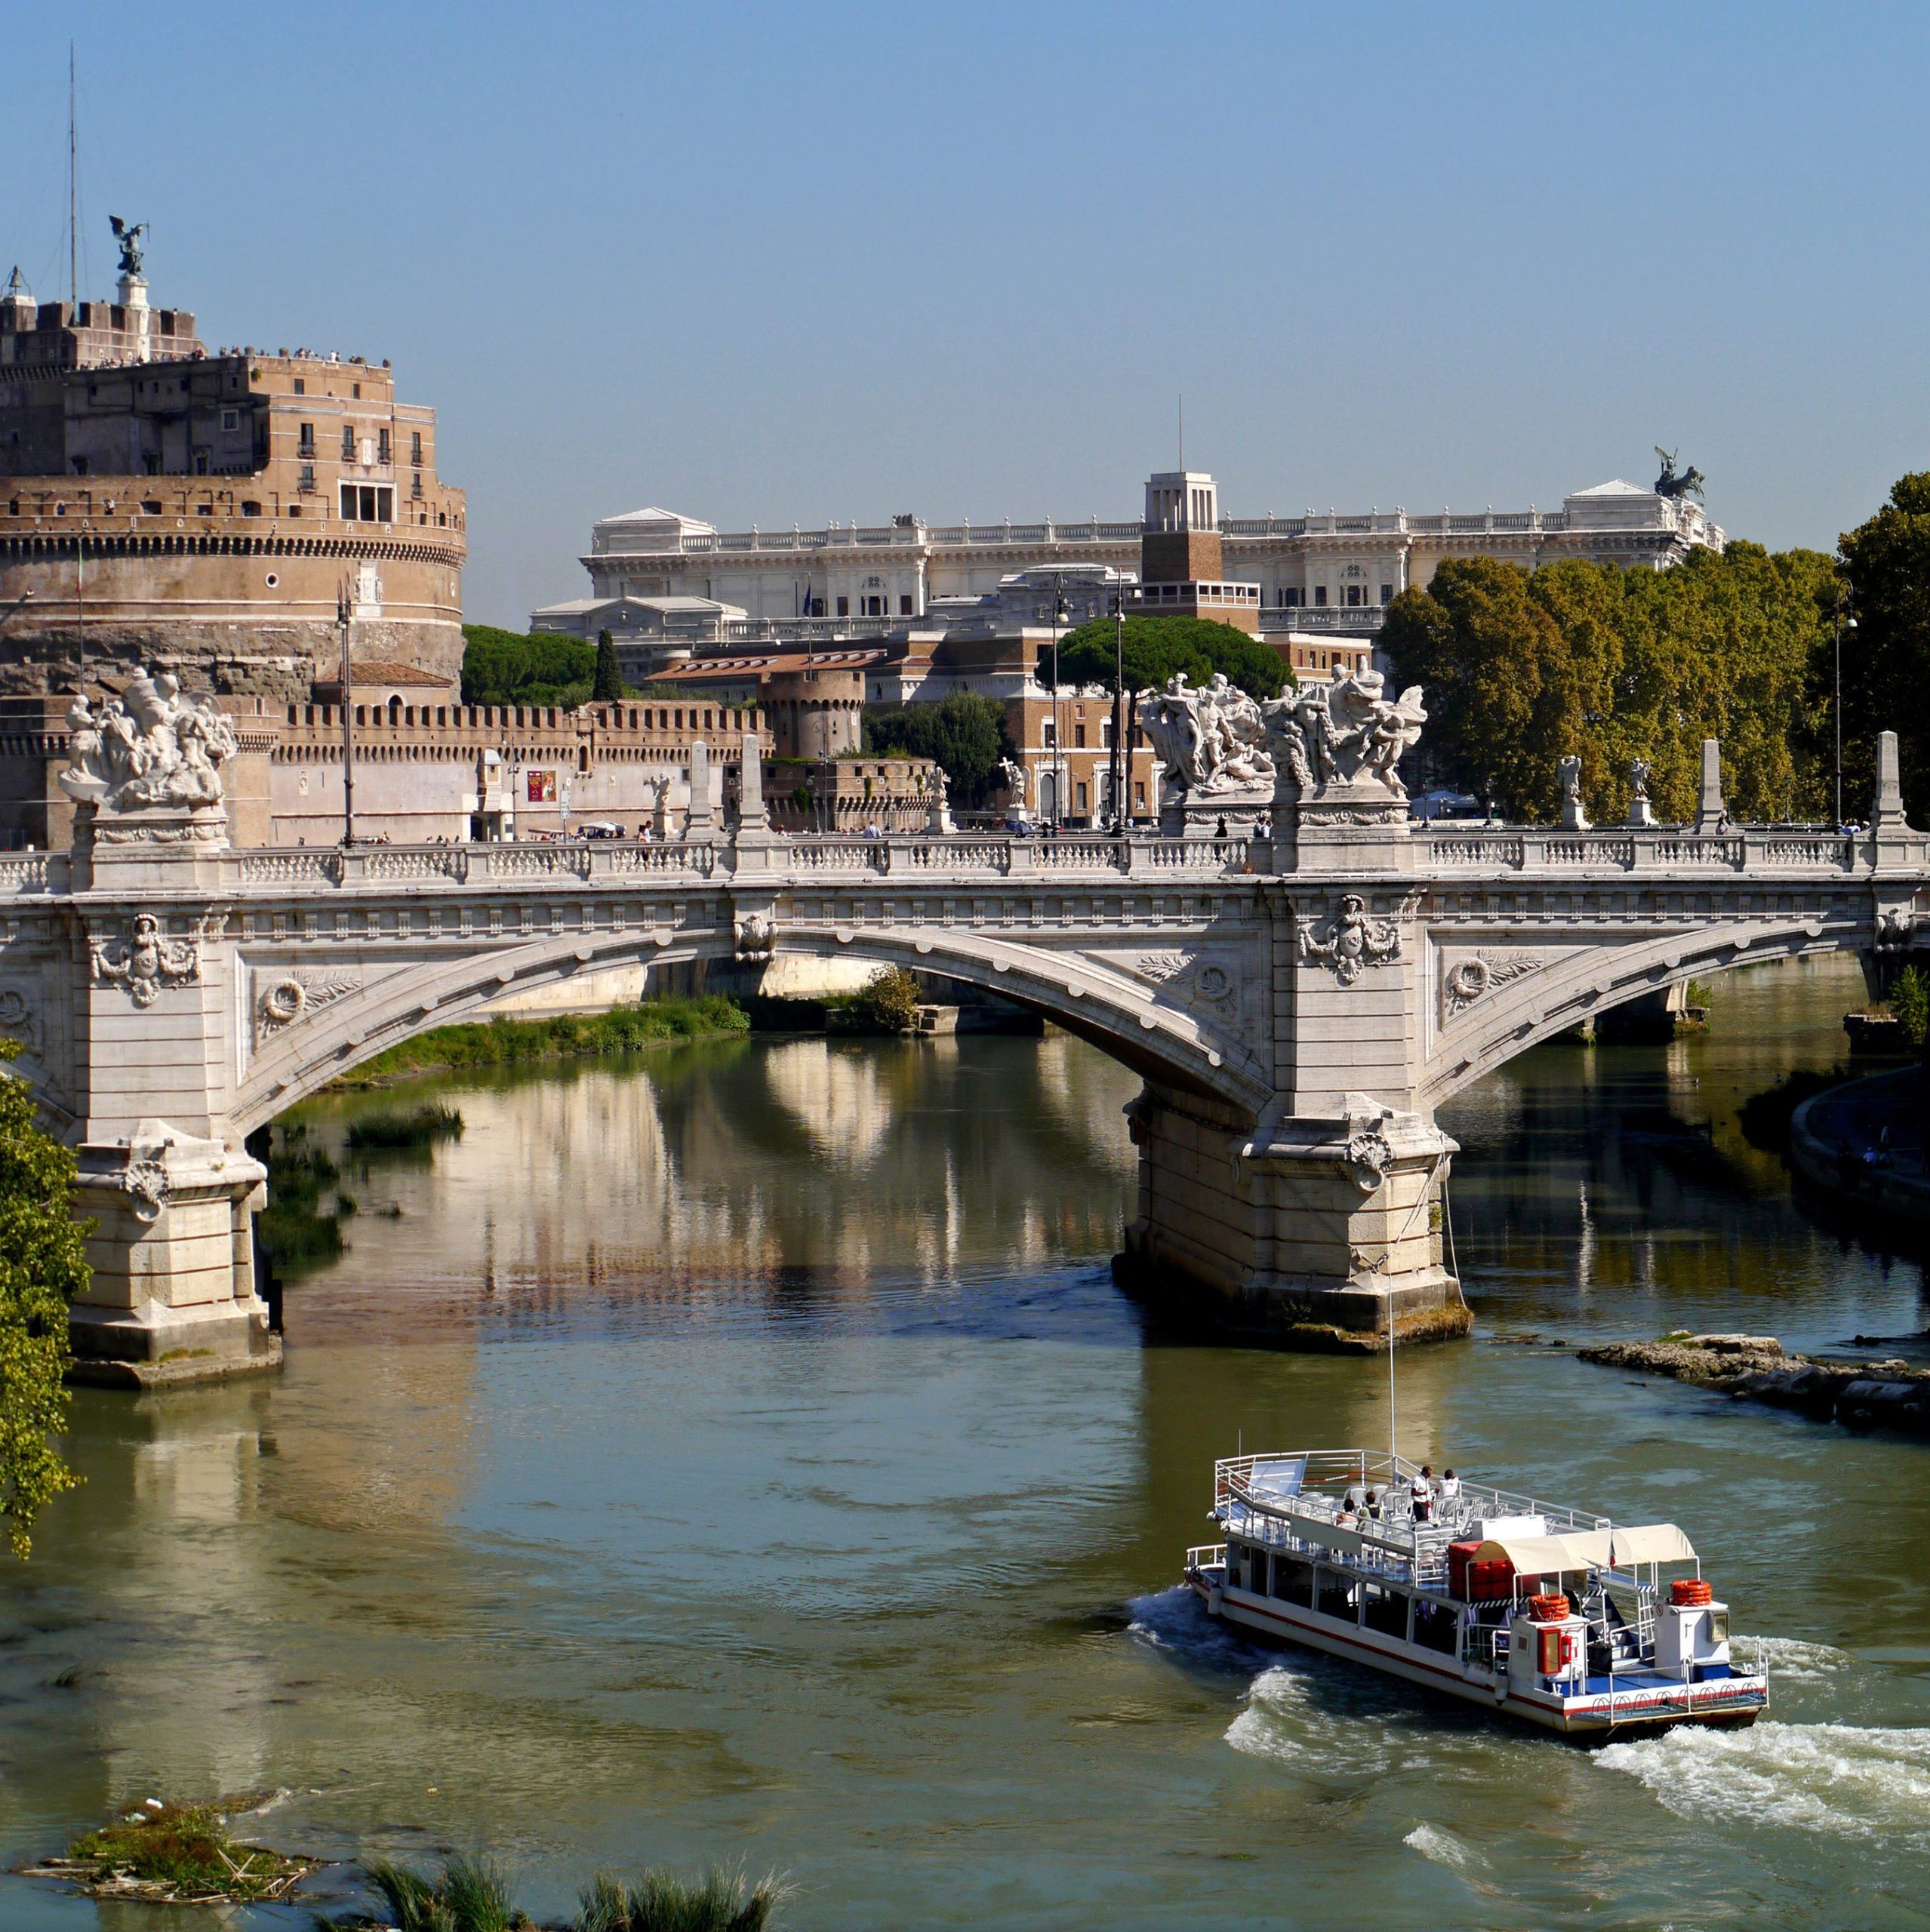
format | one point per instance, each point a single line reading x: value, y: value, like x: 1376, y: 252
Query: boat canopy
x: 1544, y: 1556
x: 1651, y: 1542
x: 1590, y: 1549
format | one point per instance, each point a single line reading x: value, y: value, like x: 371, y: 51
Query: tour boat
x: 1547, y: 1614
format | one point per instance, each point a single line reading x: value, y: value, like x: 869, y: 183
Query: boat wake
x: 1845, y: 1780
x: 1790, y: 1660
x: 1444, y: 1848
x: 1176, y: 1621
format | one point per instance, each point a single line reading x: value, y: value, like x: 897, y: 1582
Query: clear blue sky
x: 787, y: 265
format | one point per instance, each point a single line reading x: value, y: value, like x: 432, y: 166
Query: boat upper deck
x: 1317, y: 1499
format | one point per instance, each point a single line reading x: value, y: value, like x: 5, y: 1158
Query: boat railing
x: 1325, y: 1472
x: 1205, y: 1555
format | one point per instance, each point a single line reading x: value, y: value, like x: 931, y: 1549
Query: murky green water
x: 745, y: 1454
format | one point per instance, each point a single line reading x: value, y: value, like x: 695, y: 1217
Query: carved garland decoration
x: 1197, y: 982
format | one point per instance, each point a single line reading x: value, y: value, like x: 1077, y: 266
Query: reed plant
x: 410, y: 1132
x: 661, y: 1902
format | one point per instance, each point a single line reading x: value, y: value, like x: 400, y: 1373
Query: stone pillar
x: 1886, y: 811
x: 1711, y: 813
x: 698, y: 821
x: 173, y: 1295
x: 753, y: 841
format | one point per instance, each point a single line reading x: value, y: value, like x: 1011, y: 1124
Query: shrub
x: 889, y: 1004
x: 419, y: 1128
x: 1909, y: 1006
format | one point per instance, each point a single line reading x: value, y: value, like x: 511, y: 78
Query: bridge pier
x: 1320, y: 1233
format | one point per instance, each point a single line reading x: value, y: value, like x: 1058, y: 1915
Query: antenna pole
x: 344, y: 615
x: 1182, y: 431
x: 73, y: 190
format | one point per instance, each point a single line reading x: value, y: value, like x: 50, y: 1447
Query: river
x: 742, y: 1453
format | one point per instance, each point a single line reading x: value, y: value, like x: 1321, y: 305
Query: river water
x: 743, y: 1452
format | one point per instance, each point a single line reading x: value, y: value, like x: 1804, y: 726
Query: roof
x: 381, y: 671
x: 1614, y: 487
x: 650, y: 513
x: 765, y: 666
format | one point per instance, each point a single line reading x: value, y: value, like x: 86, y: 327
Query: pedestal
x: 1199, y: 815
x: 173, y: 1297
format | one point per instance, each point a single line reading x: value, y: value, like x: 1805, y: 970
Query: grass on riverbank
x: 505, y: 1042
x: 471, y: 1895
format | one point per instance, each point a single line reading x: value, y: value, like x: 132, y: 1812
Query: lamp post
x: 344, y: 615
x: 1122, y: 759
x: 1843, y: 623
x: 1060, y: 612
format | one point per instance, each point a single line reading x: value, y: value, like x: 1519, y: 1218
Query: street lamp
x: 1843, y: 623
x: 1061, y: 611
x: 1121, y: 760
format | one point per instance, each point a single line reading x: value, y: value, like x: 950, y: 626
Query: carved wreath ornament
x: 1349, y: 942
x: 1467, y: 980
x: 290, y: 996
x: 144, y: 959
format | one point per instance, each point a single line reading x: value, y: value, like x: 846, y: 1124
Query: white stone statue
x: 148, y: 747
x: 1011, y: 777
x: 1212, y: 741
x: 1346, y: 731
x: 1567, y: 775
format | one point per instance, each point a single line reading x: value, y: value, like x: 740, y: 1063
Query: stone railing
x: 1660, y: 849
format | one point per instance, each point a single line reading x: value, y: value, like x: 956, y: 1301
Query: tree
x: 1521, y: 669
x: 43, y: 1267
x: 1157, y: 648
x: 1885, y: 565
x: 607, y: 686
x: 889, y: 1002
x: 964, y: 734
x: 506, y: 667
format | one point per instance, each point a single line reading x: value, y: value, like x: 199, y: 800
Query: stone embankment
x: 1859, y: 1394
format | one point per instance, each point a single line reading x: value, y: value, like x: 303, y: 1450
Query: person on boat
x: 1373, y: 1509
x: 1420, y: 1493
x: 1450, y: 1494
x: 1351, y: 1505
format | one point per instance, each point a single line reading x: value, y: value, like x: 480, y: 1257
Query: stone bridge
x: 1298, y: 1001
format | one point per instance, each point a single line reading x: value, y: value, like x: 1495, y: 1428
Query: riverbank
x: 1862, y: 1142
x: 1859, y: 1394
x: 482, y: 1045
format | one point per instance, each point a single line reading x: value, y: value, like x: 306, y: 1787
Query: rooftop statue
x: 1347, y: 731
x: 149, y: 746
x: 1688, y: 484
x: 1212, y: 741
x: 129, y: 238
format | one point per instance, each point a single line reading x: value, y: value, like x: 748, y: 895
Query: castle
x: 209, y: 511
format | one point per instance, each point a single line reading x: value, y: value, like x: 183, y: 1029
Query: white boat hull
x: 1598, y: 1715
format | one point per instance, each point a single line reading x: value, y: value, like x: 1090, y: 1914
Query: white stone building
x: 1315, y: 572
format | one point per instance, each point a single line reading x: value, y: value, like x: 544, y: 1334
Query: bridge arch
x: 1599, y: 975
x: 1133, y: 1021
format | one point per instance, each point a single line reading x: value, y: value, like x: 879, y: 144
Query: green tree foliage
x: 1521, y: 669
x: 1909, y: 1006
x: 889, y: 1004
x: 43, y: 1267
x: 1156, y: 647
x: 1885, y: 565
x: 964, y: 734
x: 506, y: 667
x: 607, y: 687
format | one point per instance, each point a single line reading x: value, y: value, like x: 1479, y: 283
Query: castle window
x: 904, y: 606
x: 844, y: 607
x: 348, y: 442
x: 382, y: 446
x: 355, y: 390
x: 231, y: 419
x: 415, y: 447
x: 415, y: 485
x: 305, y: 440
x: 307, y: 477
x: 1386, y: 593
x: 1319, y: 593
x: 301, y: 387
x: 368, y: 502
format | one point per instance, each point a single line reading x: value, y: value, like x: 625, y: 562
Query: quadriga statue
x: 150, y: 747
x: 1346, y: 732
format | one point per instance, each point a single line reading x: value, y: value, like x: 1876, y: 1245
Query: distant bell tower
x: 1179, y: 540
